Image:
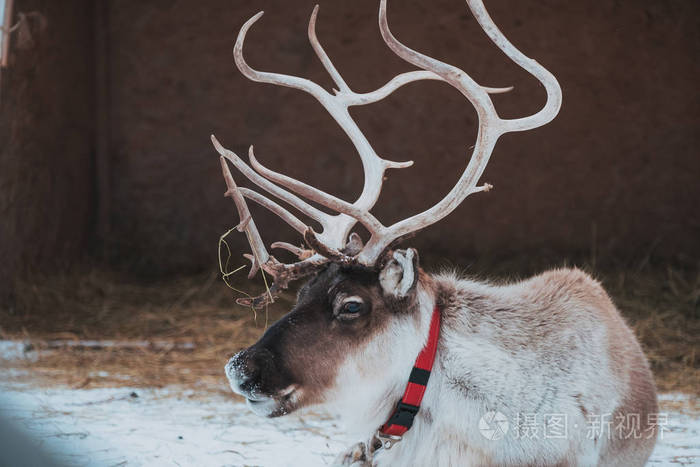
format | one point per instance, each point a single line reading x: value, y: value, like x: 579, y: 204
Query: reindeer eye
x: 352, y: 307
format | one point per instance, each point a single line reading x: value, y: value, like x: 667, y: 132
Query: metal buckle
x: 387, y: 441
x: 403, y: 415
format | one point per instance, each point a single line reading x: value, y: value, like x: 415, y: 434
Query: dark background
x: 107, y: 108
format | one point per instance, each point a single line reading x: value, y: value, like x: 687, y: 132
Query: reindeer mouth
x: 273, y: 406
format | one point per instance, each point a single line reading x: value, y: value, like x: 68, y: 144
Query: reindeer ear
x: 354, y: 245
x: 400, y: 274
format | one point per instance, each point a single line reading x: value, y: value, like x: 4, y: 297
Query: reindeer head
x: 359, y: 317
x: 337, y: 329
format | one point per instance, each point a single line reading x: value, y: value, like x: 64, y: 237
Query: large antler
x: 336, y: 228
x: 491, y: 126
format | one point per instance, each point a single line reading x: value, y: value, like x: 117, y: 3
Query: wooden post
x: 7, y: 24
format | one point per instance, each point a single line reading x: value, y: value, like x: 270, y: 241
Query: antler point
x: 397, y: 165
x: 217, y: 145
x: 251, y: 156
x: 312, y: 25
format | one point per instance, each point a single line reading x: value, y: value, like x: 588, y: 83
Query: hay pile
x: 663, y: 308
x: 195, y: 314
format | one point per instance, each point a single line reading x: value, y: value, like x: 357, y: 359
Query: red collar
x: 402, y: 418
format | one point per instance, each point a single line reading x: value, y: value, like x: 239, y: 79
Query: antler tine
x: 275, y: 208
x: 261, y: 300
x: 330, y: 253
x: 254, y: 268
x: 323, y: 56
x: 401, y: 80
x: 267, y: 77
x: 544, y: 76
x: 260, y: 254
x: 300, y: 253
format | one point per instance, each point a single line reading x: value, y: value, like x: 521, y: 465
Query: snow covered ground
x: 174, y: 426
x: 123, y: 426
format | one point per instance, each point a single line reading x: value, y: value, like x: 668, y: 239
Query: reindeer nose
x: 247, y: 369
x: 232, y: 367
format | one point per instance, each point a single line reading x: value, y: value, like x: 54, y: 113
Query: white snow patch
x: 104, y: 427
x: 679, y: 442
x: 15, y: 350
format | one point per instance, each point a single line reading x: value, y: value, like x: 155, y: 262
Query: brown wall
x: 619, y: 163
x: 618, y: 168
x: 45, y: 140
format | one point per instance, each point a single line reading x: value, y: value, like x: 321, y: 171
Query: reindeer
x: 432, y: 369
